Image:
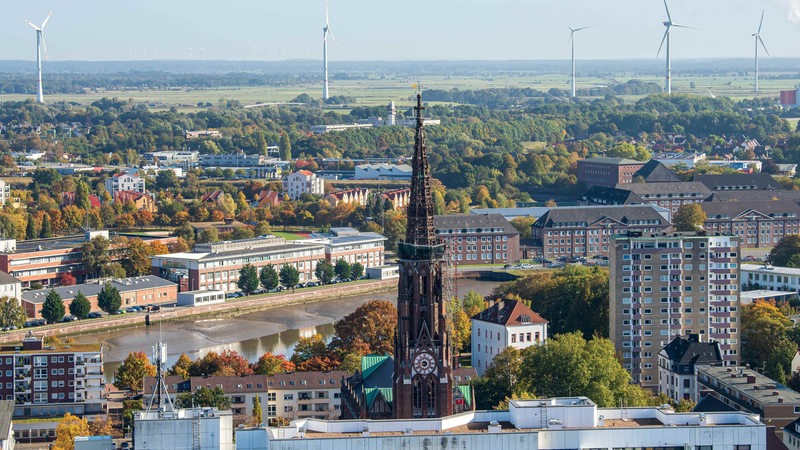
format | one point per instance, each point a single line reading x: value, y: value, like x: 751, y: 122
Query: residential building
x: 758, y: 224
x: 587, y: 231
x: 745, y: 166
x: 740, y: 182
x: 45, y: 261
x: 140, y: 200
x: 748, y: 297
x: 212, y: 198
x: 669, y: 195
x: 234, y: 160
x: 749, y: 391
x: 134, y: 291
x: 383, y: 171
x: 608, y: 172
x: 478, y: 238
x: 655, y: 172
x: 356, y: 196
x: 47, y: 381
x: 507, y: 323
x: 601, y: 195
x: 678, y: 363
x: 242, y: 390
x: 183, y: 429
x: 774, y: 278
x: 9, y: 286
x: 267, y: 198
x: 68, y: 199
x: 227, y: 225
x: 5, y: 192
x: 303, y: 182
x: 128, y: 180
x: 215, y: 266
x: 202, y: 133
x: 665, y: 285
x: 791, y: 435
x: 787, y: 170
x: 546, y: 424
x: 397, y: 198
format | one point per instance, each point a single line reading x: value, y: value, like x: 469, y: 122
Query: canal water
x: 276, y: 330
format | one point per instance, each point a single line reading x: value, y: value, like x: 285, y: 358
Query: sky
x: 365, y: 30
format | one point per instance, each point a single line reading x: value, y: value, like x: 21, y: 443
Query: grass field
x: 290, y: 235
x: 379, y: 91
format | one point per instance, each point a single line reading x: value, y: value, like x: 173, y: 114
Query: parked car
x: 69, y: 318
x: 94, y: 315
x: 118, y: 312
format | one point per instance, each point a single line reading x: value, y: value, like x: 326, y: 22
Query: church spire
x: 419, y: 227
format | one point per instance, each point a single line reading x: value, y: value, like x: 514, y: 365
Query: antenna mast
x: 163, y: 404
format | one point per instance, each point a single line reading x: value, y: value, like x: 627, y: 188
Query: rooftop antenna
x: 758, y: 40
x: 40, y: 44
x: 572, y: 32
x: 160, y: 396
x: 326, y: 31
x: 669, y: 24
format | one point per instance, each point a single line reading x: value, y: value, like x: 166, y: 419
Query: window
x: 288, y: 396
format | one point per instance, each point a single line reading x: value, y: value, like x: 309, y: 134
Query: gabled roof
x: 474, y: 221
x: 691, y: 351
x: 669, y: 190
x: 589, y: 215
x: 709, y: 404
x: 6, y: 278
x: 374, y: 393
x: 766, y: 209
x: 744, y: 181
x: 212, y: 196
x: 304, y: 172
x: 602, y: 195
x: 377, y: 371
x: 761, y: 196
x: 655, y: 171
x: 509, y: 312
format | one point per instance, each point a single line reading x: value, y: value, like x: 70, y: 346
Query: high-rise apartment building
x: 665, y: 285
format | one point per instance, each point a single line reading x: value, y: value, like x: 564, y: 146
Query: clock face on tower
x: 424, y: 363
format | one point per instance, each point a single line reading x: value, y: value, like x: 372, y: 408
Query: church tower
x: 423, y: 380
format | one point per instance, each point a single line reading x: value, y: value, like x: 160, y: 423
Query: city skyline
x: 365, y: 30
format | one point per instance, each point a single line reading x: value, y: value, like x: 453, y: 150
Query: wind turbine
x: 326, y: 31
x: 572, y: 32
x: 39, y: 44
x: 757, y: 38
x: 669, y: 24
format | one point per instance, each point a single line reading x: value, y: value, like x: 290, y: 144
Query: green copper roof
x: 466, y: 392
x: 371, y: 362
x: 372, y: 394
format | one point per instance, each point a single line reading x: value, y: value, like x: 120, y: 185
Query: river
x: 252, y: 334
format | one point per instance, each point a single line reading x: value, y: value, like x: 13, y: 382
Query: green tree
x: 473, y: 303
x: 289, y: 276
x: 12, y: 313
x: 308, y: 348
x: 268, y: 277
x: 53, y: 308
x: 108, y: 299
x: 80, y: 306
x: 500, y: 379
x: 763, y: 329
x: 356, y: 271
x: 342, y: 268
x: 82, y: 196
x: 324, y: 271
x: 689, y: 217
x: 523, y: 224
x: 47, y: 227
x: 204, y: 397
x: 166, y: 179
x: 786, y: 251
x: 30, y: 228
x: 269, y: 364
x: 130, y: 375
x: 248, y: 279
x: 285, y: 147
x: 257, y: 414
x: 96, y: 255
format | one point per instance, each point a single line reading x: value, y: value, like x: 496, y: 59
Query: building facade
x: 125, y: 181
x: 303, y: 182
x: 5, y: 192
x: 587, y: 231
x: 478, y: 238
x: 669, y: 195
x: 758, y: 224
x: 678, y: 363
x: 9, y: 286
x: 774, y: 278
x: 357, y: 196
x: 607, y: 172
x: 507, y: 323
x: 383, y: 172
x: 183, y: 429
x: 665, y: 285
x: 353, y: 246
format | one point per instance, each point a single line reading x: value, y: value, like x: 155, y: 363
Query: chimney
x: 751, y: 379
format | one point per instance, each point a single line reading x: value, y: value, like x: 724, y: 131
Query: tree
x: 473, y: 303
x: 166, y: 179
x: 324, y: 271
x: 68, y: 427
x: 342, y: 268
x: 96, y: 255
x: 309, y: 347
x: 67, y: 279
x: 289, y: 276
x: 80, y: 306
x: 257, y: 414
x: 786, y: 251
x: 137, y: 256
x: 689, y: 217
x: 268, y: 277
x: 12, y: 313
x: 285, y: 147
x: 181, y: 367
x: 101, y: 427
x: 234, y: 363
x: 368, y: 329
x: 53, y: 308
x: 460, y: 325
x: 523, y: 224
x: 47, y: 228
x: 269, y: 364
x: 82, y: 195
x: 131, y: 373
x: 500, y: 379
x: 763, y: 329
x: 204, y: 397
x: 356, y: 271
x: 30, y: 228
x: 248, y: 279
x: 108, y: 299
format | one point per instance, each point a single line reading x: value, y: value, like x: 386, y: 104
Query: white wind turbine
x: 572, y: 32
x: 326, y: 31
x: 39, y: 45
x: 757, y: 38
x: 669, y: 24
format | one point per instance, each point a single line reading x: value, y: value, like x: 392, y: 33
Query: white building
x: 125, y: 181
x: 545, y: 424
x: 674, y: 158
x: 183, y: 429
x: 678, y: 363
x: 5, y: 192
x: 383, y: 171
x: 303, y: 182
x: 773, y: 278
x: 507, y: 323
x: 10, y: 286
x: 199, y: 298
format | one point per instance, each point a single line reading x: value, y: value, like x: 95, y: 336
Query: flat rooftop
x: 749, y: 383
x: 767, y: 269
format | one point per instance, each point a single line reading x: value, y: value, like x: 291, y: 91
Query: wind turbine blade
x: 326, y: 12
x: 762, y: 45
x: 35, y: 27
x: 669, y: 17
x: 583, y: 28
x: 46, y: 19
x: 332, y: 36
x: 683, y: 26
x: 761, y: 22
x: 662, y: 42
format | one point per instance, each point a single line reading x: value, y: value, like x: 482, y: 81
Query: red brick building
x: 607, y: 172
x: 478, y: 238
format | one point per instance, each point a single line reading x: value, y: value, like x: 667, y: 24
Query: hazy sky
x: 393, y: 30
